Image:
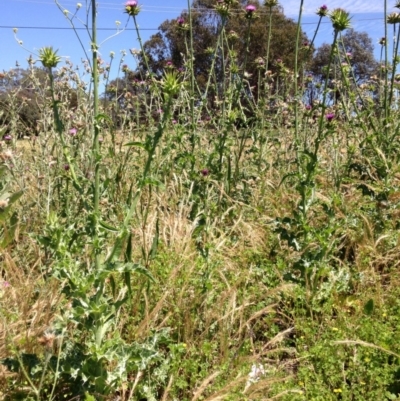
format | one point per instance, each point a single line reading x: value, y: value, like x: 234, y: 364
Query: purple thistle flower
x: 322, y: 11
x: 205, y: 172
x: 180, y: 21
x: 7, y: 137
x: 329, y: 117
x: 250, y: 8
x: 66, y: 167
x: 73, y: 131
x: 132, y: 8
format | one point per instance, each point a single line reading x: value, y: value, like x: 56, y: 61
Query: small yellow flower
x: 337, y: 390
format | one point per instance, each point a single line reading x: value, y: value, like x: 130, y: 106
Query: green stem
x: 57, y: 365
x: 296, y: 104
x: 95, y: 145
x: 385, y: 104
x: 60, y: 129
x: 210, y: 75
x: 247, y: 45
x: 313, y: 163
x: 394, y: 67
x: 268, y: 38
x: 191, y: 66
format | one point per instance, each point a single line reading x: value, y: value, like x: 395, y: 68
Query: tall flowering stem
x: 296, y: 73
x: 321, y: 12
x: 385, y: 96
x: 95, y: 144
x: 270, y: 4
x: 191, y: 64
x: 250, y: 15
x: 325, y: 91
x: 394, y: 66
x: 49, y: 59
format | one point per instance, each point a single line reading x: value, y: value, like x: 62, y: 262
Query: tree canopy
x: 354, y: 56
x: 355, y: 47
x: 247, y: 38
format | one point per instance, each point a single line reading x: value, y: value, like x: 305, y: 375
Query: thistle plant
x: 50, y: 60
x: 270, y: 4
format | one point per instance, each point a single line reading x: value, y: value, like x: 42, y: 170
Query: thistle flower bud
x: 49, y: 57
x: 340, y: 19
x: 171, y: 83
x: 222, y: 9
x: 270, y: 3
x: 393, y: 18
x: 232, y: 35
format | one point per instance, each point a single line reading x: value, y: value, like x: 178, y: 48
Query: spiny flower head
x: 182, y: 24
x: 232, y: 35
x: 132, y: 8
x: 393, y: 18
x: 329, y: 117
x: 270, y: 3
x: 49, y: 57
x: 322, y: 11
x: 250, y: 11
x: 250, y: 8
x: 340, y: 19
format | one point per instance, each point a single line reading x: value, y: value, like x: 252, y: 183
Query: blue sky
x: 367, y: 16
